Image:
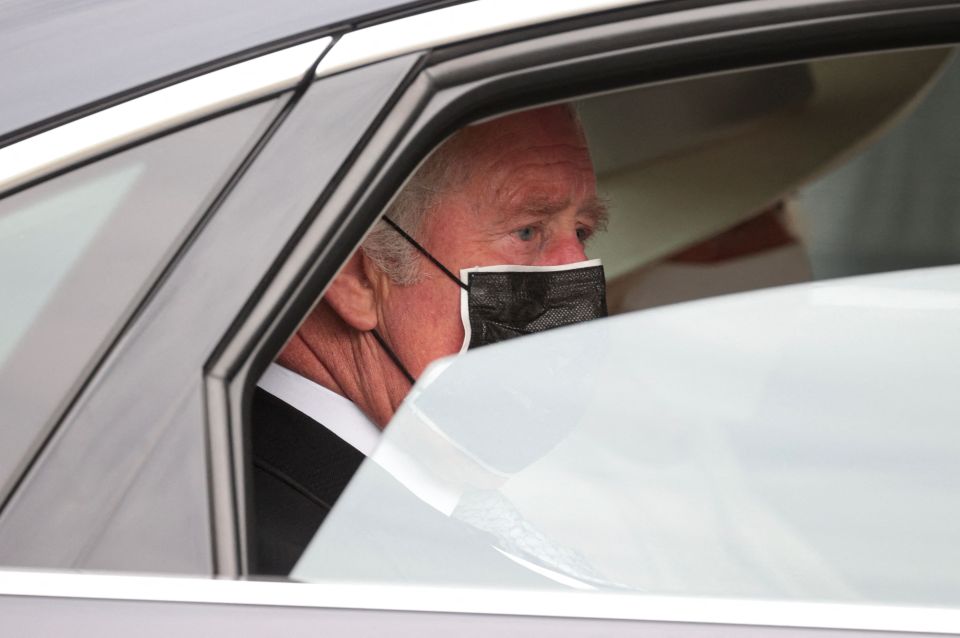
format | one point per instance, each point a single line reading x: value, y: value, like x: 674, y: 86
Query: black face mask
x: 503, y: 302
x: 498, y: 303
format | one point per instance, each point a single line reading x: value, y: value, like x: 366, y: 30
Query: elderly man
x: 517, y: 191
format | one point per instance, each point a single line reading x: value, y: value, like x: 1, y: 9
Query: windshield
x: 745, y: 446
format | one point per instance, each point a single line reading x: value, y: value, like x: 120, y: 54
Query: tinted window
x: 77, y: 253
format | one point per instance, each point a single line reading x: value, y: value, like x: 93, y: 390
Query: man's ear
x: 352, y: 294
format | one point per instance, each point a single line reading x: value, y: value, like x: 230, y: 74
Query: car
x: 773, y: 462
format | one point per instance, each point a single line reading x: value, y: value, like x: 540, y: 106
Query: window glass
x: 40, y: 241
x: 796, y: 443
x: 77, y: 253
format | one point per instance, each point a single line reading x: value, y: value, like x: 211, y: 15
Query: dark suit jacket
x: 299, y: 470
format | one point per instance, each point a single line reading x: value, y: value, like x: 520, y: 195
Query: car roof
x: 59, y: 56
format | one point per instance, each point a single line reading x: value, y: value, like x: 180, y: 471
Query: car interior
x: 709, y: 178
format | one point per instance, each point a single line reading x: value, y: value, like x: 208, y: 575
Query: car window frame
x: 469, y: 81
x: 95, y: 602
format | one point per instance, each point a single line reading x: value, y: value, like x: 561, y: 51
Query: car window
x: 791, y: 444
x: 78, y: 251
x: 786, y: 444
x: 43, y: 239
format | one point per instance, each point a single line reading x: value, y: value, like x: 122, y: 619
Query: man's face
x: 529, y: 198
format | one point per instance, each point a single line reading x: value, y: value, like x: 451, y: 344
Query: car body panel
x: 134, y: 428
x: 113, y: 604
x: 451, y: 25
x: 53, y: 58
x: 165, y: 109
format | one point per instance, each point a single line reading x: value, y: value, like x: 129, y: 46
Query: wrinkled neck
x: 348, y: 362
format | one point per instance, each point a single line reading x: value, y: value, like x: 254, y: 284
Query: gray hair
x: 442, y: 170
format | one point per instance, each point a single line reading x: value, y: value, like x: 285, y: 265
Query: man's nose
x: 566, y: 249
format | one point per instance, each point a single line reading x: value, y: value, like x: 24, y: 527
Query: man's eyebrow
x: 531, y: 207
x: 542, y: 206
x: 597, y: 209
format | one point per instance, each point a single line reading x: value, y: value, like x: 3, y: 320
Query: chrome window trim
x: 453, y: 24
x: 484, y: 17
x: 162, y: 109
x: 559, y: 604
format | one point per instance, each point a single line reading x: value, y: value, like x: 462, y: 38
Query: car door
x: 169, y: 496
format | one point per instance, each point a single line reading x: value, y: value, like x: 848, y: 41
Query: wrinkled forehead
x: 531, y: 160
x: 556, y: 124
x: 545, y: 143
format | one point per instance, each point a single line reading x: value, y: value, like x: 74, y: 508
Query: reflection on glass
x: 41, y: 240
x: 80, y: 250
x: 763, y: 445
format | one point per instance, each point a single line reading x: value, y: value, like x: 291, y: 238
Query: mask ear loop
x: 376, y: 335
x: 425, y: 253
x: 393, y: 356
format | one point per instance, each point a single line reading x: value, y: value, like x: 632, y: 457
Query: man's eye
x: 526, y: 233
x: 584, y: 233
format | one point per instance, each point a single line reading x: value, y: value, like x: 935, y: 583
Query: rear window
x: 77, y: 253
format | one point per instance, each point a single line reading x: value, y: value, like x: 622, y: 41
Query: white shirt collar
x: 334, y: 412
